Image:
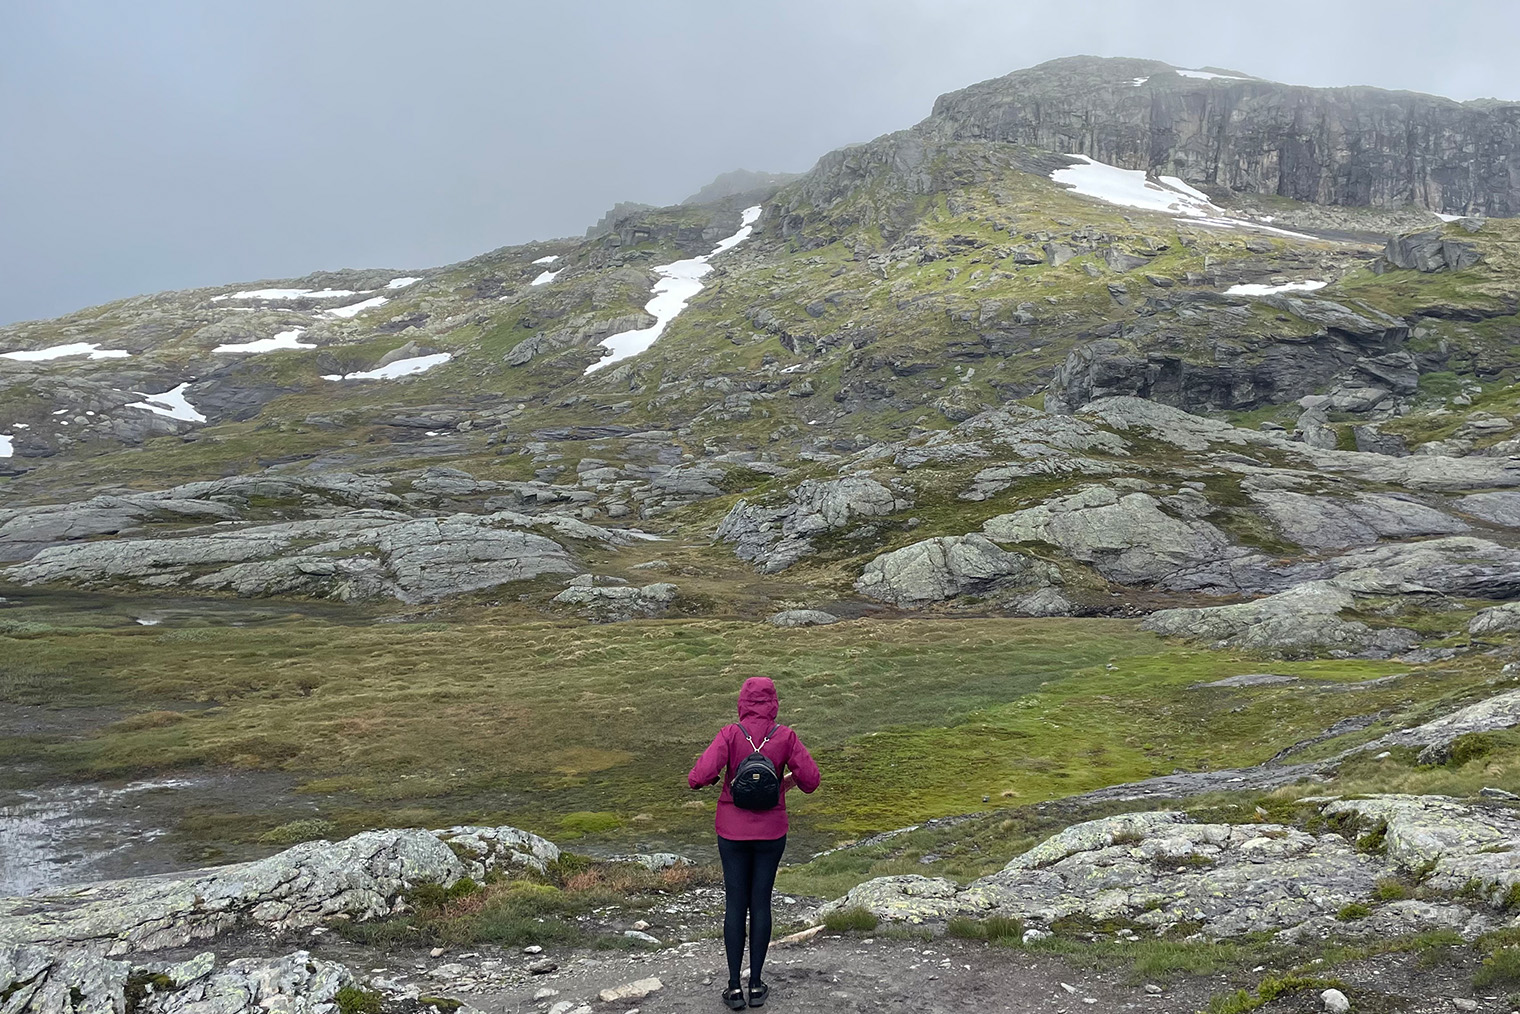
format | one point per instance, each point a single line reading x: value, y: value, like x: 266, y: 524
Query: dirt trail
x: 861, y: 974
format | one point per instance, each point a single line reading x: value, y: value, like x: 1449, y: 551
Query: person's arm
x: 803, y: 770
x: 710, y: 765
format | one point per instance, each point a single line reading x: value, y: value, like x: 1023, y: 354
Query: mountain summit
x: 1353, y: 146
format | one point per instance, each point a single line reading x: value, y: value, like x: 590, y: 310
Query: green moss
x: 142, y: 984
x: 586, y: 822
x: 1353, y: 911
x: 298, y: 831
x: 354, y: 1000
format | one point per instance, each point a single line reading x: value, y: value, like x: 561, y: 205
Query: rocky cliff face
x: 1349, y: 146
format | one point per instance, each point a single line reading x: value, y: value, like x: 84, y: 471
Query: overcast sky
x: 155, y: 145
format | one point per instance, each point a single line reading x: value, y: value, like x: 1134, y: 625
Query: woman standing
x: 750, y: 841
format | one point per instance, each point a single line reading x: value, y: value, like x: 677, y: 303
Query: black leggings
x: 749, y: 873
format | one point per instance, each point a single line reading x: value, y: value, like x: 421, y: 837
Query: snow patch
x: 7, y: 447
x: 400, y: 368
x: 285, y: 294
x: 91, y: 349
x: 1132, y: 189
x: 545, y: 277
x: 1138, y: 81
x: 401, y: 283
x: 1449, y: 218
x: 1170, y: 195
x: 171, y: 403
x: 283, y: 340
x: 679, y: 281
x: 355, y: 308
x: 1255, y: 289
x: 1208, y: 75
x: 549, y: 259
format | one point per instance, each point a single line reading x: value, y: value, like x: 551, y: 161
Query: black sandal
x: 734, y: 998
x: 757, y: 994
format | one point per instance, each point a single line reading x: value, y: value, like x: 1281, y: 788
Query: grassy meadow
x: 584, y: 733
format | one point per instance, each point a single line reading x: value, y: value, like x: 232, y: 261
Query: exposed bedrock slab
x: 364, y: 554
x: 1304, y: 618
x: 1128, y: 538
x: 1160, y: 870
x: 1320, y: 522
x: 361, y: 878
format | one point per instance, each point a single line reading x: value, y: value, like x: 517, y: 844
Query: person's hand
x: 789, y: 782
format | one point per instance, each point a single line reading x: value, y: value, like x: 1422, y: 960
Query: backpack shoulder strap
x: 767, y: 738
x: 745, y: 733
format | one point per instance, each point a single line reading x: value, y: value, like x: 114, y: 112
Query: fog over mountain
x: 163, y: 145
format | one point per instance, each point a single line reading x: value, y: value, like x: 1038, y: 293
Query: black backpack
x: 756, y: 783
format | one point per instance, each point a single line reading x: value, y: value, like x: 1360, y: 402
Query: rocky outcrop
x: 802, y: 618
x: 1452, y: 845
x: 1501, y: 619
x: 1128, y: 538
x: 1353, y: 146
x: 49, y: 982
x: 1304, y: 616
x: 617, y: 603
x: 1459, y: 566
x: 80, y: 949
x: 777, y: 537
x: 1430, y: 251
x: 363, y: 555
x: 1495, y: 508
x: 1434, y: 738
x: 1322, y: 523
x: 1158, y: 871
x: 359, y: 878
x: 1302, y: 620
x: 943, y: 568
x: 1189, y: 432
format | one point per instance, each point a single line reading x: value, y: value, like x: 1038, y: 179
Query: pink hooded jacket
x: 757, y: 713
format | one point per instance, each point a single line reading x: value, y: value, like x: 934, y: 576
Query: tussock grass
x: 851, y: 920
